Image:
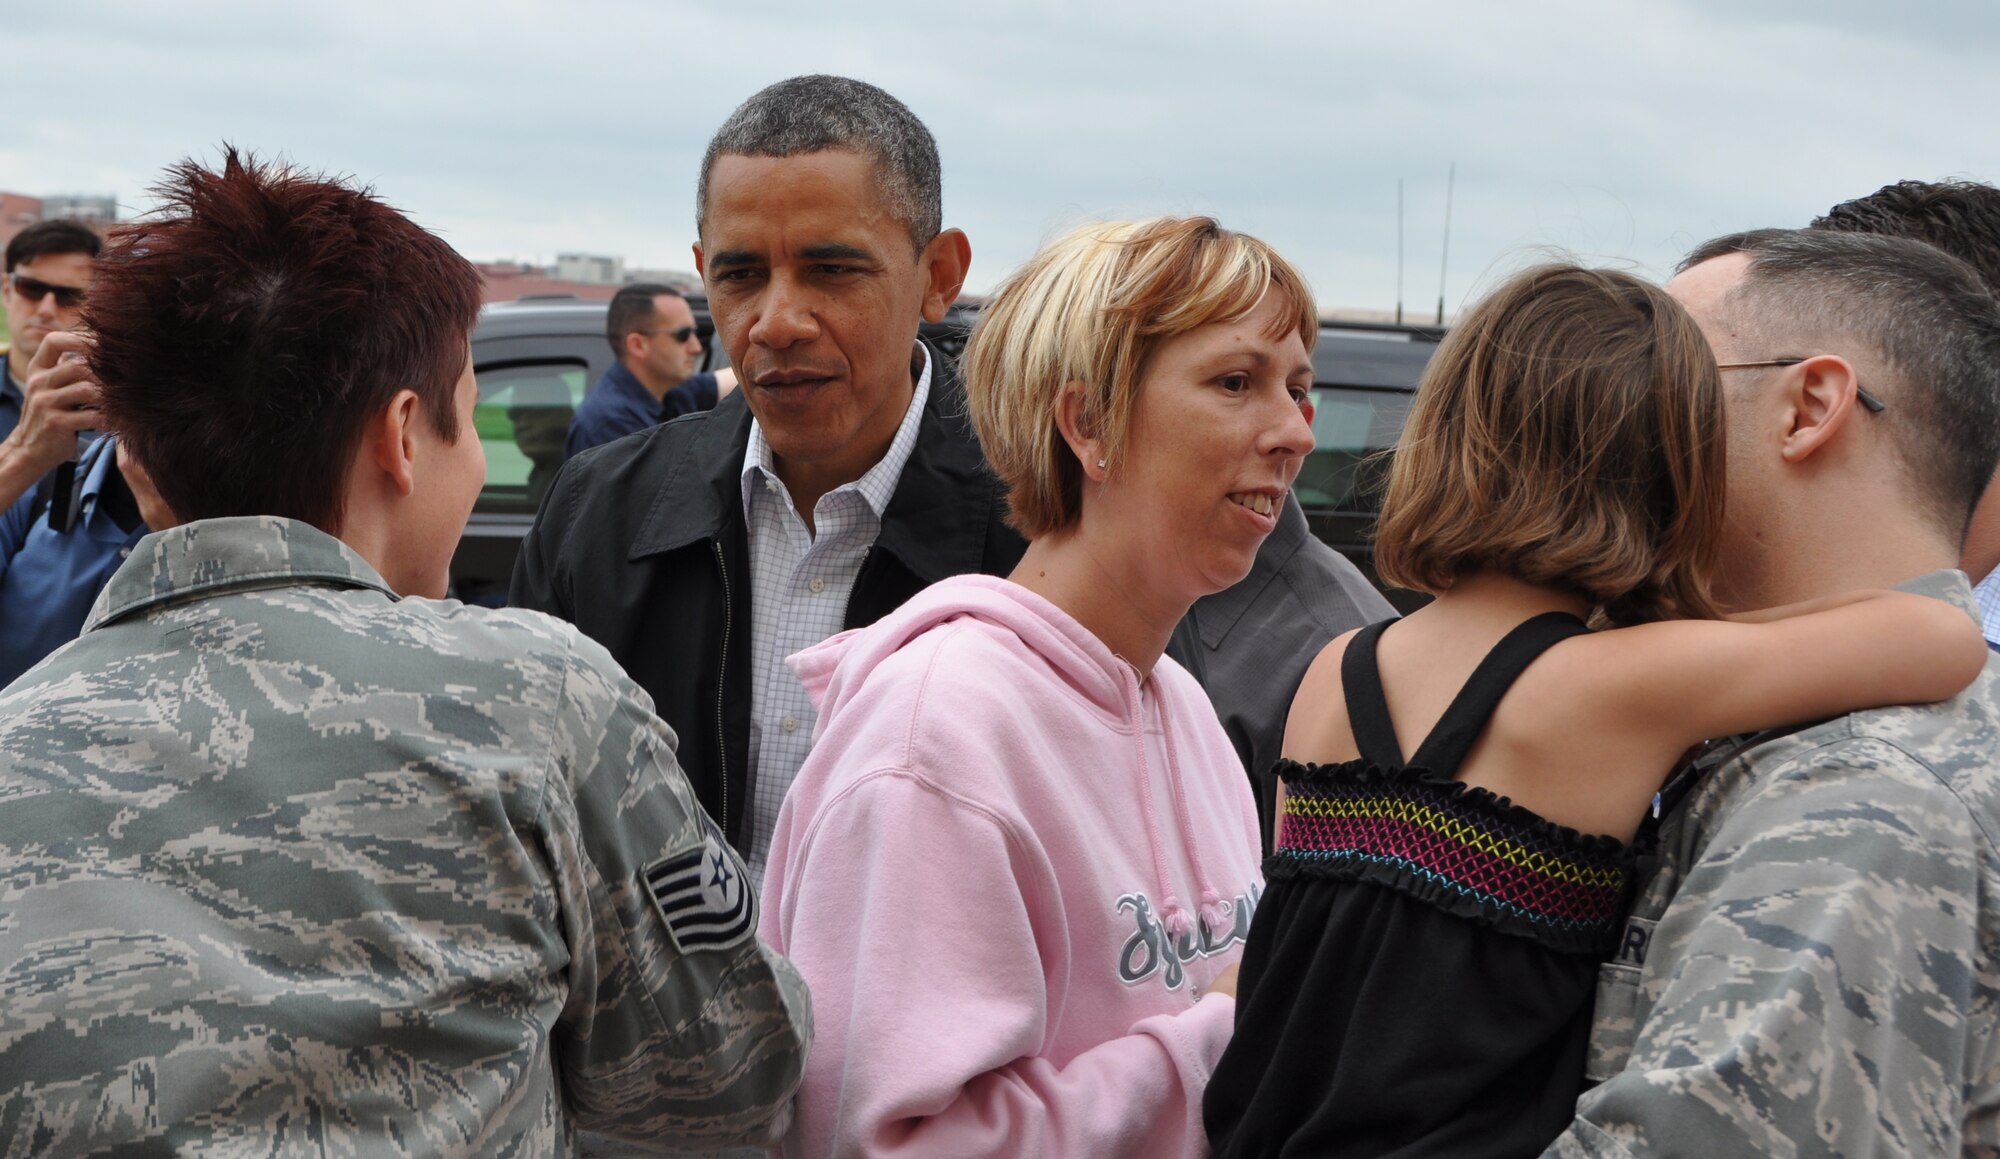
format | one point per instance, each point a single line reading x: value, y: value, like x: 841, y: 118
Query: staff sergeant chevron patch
x: 703, y: 895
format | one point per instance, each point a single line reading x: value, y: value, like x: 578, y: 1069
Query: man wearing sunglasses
x: 47, y: 276
x: 653, y: 332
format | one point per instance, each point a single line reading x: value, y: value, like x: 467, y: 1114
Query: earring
x: 1100, y: 464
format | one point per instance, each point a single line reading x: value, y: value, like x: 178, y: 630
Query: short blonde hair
x: 1092, y: 307
x: 1567, y: 433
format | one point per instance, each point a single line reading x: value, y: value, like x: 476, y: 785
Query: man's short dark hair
x: 1924, y: 314
x: 60, y: 236
x: 632, y: 310
x: 811, y: 114
x: 248, y: 329
x: 1962, y: 218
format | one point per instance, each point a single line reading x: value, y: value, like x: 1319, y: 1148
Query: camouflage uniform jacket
x: 1812, y: 967
x: 289, y: 865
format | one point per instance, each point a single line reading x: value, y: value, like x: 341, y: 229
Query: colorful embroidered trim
x: 1470, y: 844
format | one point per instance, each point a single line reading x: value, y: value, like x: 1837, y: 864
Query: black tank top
x: 1419, y: 975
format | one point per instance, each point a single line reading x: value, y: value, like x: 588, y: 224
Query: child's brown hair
x: 1568, y: 433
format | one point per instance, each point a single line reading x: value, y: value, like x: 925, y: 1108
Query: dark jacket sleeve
x: 540, y: 581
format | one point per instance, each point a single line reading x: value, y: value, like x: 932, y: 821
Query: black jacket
x: 641, y: 543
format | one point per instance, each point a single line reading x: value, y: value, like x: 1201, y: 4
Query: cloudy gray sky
x: 520, y: 128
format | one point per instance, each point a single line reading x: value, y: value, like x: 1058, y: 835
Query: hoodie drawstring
x: 1214, y: 908
x: 1173, y: 915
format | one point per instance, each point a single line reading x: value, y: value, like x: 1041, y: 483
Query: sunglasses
x: 680, y: 335
x: 35, y: 289
x: 1868, y: 401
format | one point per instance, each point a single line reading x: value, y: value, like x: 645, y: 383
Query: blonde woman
x: 1018, y: 867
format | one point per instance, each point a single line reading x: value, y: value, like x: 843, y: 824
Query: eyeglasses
x: 680, y: 335
x: 1874, y: 405
x: 35, y: 289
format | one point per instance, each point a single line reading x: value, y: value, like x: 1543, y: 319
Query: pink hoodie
x: 977, y: 871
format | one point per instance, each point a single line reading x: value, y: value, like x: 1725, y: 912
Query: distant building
x: 686, y: 281
x: 18, y: 211
x: 591, y: 269
x: 90, y: 208
x: 506, y: 281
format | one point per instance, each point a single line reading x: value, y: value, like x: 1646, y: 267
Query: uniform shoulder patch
x: 703, y: 895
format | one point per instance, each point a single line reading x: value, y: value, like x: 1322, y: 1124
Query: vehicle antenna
x: 1444, y: 263
x: 1399, y: 251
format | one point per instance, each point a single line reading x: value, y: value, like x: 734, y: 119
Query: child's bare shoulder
x: 1317, y: 730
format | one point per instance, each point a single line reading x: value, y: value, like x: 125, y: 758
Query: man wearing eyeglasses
x: 653, y: 332
x: 1811, y: 965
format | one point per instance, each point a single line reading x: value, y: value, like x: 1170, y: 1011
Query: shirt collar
x: 210, y: 556
x: 9, y: 389
x: 94, y: 470
x: 878, y: 485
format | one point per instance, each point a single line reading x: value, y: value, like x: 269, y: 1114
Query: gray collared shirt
x: 291, y: 863
x: 1812, y: 965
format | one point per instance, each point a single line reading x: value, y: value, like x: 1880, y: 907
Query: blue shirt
x: 48, y: 579
x: 11, y: 399
x: 621, y: 404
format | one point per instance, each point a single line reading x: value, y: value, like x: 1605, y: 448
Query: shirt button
x: 817, y: 585
x: 791, y: 724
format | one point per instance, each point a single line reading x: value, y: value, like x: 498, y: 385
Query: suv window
x: 1350, y: 429
x: 523, y: 421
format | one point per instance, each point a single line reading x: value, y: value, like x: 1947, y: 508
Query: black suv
x: 536, y: 358
x: 1364, y: 377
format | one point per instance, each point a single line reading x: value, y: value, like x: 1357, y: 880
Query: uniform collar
x: 212, y: 556
x: 1947, y: 584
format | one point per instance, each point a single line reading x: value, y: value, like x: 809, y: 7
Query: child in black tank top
x: 1418, y: 978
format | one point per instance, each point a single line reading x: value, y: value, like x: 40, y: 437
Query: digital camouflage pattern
x: 1813, y: 966
x: 290, y: 865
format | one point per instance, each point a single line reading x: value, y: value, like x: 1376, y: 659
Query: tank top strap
x: 1465, y: 718
x: 1367, y: 709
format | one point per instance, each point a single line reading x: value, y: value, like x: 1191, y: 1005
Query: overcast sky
x: 520, y: 128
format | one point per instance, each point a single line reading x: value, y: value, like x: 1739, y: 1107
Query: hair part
x: 250, y: 328
x: 57, y: 236
x: 1920, y: 322
x: 1092, y: 307
x: 1567, y: 433
x: 632, y: 309
x: 812, y: 114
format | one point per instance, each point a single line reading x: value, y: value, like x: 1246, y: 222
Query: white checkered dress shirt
x: 1988, y: 596
x: 799, y: 584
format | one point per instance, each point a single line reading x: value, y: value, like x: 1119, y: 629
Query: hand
x: 61, y: 400
x: 152, y: 509
x: 1225, y: 983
